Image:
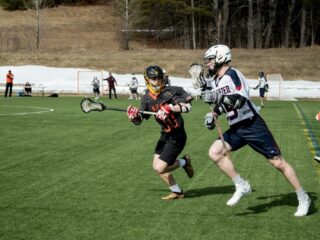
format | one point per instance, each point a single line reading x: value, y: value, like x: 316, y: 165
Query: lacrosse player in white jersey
x: 263, y: 87
x: 230, y: 96
x: 96, y: 87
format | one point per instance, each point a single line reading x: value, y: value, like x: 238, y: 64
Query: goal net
x: 84, y: 81
x: 278, y: 88
x: 275, y: 82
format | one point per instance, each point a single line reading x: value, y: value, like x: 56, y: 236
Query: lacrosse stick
x: 219, y: 130
x: 196, y: 72
x: 87, y: 105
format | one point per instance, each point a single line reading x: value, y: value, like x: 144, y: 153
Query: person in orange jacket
x: 9, y: 83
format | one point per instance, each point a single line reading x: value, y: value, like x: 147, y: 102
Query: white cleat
x: 241, y: 190
x: 303, y: 207
x: 317, y: 158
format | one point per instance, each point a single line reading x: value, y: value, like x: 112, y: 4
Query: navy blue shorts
x: 256, y: 134
x: 262, y: 91
x: 96, y: 90
x: 169, y: 147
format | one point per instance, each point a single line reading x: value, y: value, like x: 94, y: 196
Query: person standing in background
x: 133, y: 87
x: 166, y: 79
x: 96, y: 87
x: 9, y: 83
x: 263, y: 87
x: 111, y: 82
x: 27, y: 89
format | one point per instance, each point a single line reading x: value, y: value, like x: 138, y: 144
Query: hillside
x: 88, y: 36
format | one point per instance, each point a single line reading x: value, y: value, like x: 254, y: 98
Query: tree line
x: 239, y: 24
x: 193, y: 24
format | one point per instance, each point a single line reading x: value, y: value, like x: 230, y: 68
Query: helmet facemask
x: 153, y: 77
x: 212, y: 66
x: 155, y: 85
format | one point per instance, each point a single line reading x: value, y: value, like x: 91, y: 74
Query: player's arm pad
x: 185, y: 107
x: 218, y: 110
x: 234, y: 101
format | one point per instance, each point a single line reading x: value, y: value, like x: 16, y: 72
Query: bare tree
x: 250, y: 25
x: 313, y: 27
x: 193, y: 27
x: 36, y: 5
x: 225, y: 20
x: 303, y: 27
x: 272, y: 20
x: 258, y: 25
x: 127, y: 10
x: 288, y: 23
x: 217, y: 20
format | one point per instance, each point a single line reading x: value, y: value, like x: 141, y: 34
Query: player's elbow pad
x: 186, y: 108
x: 218, y: 110
x: 235, y: 101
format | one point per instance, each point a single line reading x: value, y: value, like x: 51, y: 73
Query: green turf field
x: 69, y: 175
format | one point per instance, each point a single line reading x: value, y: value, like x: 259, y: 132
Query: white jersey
x: 96, y: 83
x: 233, y: 82
x: 262, y: 82
x: 133, y: 84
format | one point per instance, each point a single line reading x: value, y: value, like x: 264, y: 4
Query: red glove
x: 164, y: 111
x: 134, y: 115
x: 132, y: 112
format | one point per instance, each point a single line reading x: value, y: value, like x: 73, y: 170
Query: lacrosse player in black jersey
x: 168, y: 103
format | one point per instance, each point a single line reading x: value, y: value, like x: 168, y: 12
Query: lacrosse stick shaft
x: 124, y: 110
x: 87, y: 105
x: 220, y: 133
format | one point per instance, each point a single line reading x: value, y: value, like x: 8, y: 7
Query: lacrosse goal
x: 84, y: 81
x: 275, y: 83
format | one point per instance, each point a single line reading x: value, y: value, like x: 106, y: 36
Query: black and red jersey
x: 169, y: 95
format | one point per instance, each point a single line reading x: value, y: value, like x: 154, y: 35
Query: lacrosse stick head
x: 196, y: 72
x: 87, y: 105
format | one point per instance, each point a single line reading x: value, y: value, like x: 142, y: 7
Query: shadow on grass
x: 289, y: 199
x: 200, y: 192
x: 271, y: 107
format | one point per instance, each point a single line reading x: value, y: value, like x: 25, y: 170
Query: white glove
x: 209, y: 121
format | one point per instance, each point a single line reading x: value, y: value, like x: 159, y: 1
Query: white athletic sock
x: 182, y: 162
x: 237, y: 180
x: 301, y: 194
x: 175, y: 188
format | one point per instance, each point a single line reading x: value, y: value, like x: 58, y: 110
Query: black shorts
x: 96, y: 90
x: 262, y: 91
x: 133, y: 90
x: 169, y: 147
x: 256, y: 134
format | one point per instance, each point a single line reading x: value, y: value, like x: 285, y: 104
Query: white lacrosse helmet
x: 219, y: 53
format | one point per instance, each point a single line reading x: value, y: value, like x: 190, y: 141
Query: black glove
x: 234, y: 101
x: 209, y: 121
